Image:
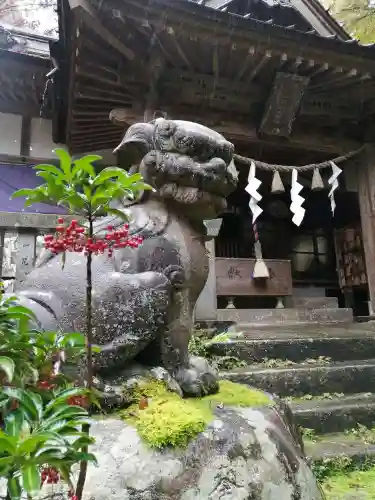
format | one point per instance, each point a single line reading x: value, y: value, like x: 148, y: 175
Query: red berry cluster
x: 74, y: 238
x: 50, y: 475
x: 82, y: 401
x: 46, y: 385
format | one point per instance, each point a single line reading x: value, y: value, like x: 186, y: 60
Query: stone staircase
x: 298, y: 311
x: 327, y: 372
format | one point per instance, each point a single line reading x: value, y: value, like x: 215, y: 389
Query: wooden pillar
x: 365, y: 167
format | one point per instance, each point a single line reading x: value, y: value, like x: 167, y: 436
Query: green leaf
x: 14, y: 422
x: 22, y: 193
x: 31, y: 479
x: 38, y: 198
x: 26, y: 402
x: 51, y: 169
x: 86, y: 164
x: 86, y: 457
x: 73, y: 340
x: 65, y: 162
x: 88, y: 192
x: 6, y: 464
x: 36, y: 441
x: 38, y: 403
x: 109, y: 173
x: 82, y: 442
x: 14, y: 488
x: 75, y: 201
x: 118, y: 213
x: 22, y: 311
x: 7, y: 366
x: 7, y: 444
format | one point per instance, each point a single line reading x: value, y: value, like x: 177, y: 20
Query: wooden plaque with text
x: 234, y: 277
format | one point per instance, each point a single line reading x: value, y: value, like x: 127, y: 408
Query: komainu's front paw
x: 198, y: 379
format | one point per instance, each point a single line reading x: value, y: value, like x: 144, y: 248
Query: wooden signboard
x: 283, y: 104
x: 235, y: 277
x: 350, y: 258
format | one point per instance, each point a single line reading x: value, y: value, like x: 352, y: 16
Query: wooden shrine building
x: 281, y: 80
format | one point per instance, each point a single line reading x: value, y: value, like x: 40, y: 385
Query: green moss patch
x: 355, y: 485
x: 168, y: 420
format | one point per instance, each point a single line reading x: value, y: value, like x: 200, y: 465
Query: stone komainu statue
x: 143, y: 299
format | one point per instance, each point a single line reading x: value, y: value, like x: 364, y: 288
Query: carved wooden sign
x: 235, y: 277
x: 282, y: 104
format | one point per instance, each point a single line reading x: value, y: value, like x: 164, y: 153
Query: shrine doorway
x: 325, y: 252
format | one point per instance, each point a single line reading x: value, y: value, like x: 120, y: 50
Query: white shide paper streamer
x: 252, y: 188
x: 334, y: 183
x: 297, y: 200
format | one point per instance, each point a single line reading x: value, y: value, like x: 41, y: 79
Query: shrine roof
x: 310, y: 12
x: 23, y: 42
x: 225, y: 69
x: 210, y: 11
x: 24, y: 64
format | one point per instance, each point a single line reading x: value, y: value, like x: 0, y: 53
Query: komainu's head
x: 190, y: 166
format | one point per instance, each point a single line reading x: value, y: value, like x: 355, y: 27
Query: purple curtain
x: 13, y: 177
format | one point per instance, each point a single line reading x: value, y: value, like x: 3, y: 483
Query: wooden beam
x: 179, y: 49
x: 265, y: 60
x: 245, y: 65
x: 156, y: 67
x: 238, y: 130
x: 319, y: 70
x: 338, y: 79
x: 87, y: 14
x: 282, y: 104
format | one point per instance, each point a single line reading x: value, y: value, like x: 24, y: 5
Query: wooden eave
x: 218, y: 68
x: 22, y: 82
x: 316, y: 14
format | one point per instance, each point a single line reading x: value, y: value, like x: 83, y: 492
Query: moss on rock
x: 168, y: 420
x: 355, y: 485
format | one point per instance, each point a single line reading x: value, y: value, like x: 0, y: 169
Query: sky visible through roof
x: 36, y: 16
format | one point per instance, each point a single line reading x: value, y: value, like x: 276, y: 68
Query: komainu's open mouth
x: 186, y: 163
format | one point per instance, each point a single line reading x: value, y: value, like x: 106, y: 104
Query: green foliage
x: 26, y: 353
x: 200, y: 345
x: 328, y: 467
x: 362, y: 433
x: 36, y: 434
x: 358, y: 17
x: 76, y: 186
x: 39, y: 427
x: 168, y: 420
x: 351, y: 485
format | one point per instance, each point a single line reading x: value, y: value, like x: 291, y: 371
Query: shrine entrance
x: 318, y: 265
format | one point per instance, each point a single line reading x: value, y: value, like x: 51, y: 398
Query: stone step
x: 340, y: 445
x: 348, y: 377
x: 337, y: 414
x: 341, y: 343
x: 315, y: 302
x: 285, y: 317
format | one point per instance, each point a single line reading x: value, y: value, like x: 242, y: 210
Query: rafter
x: 265, y: 60
x: 85, y: 12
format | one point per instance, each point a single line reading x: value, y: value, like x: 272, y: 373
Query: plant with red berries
x: 40, y: 419
x: 85, y: 193
x: 40, y: 443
